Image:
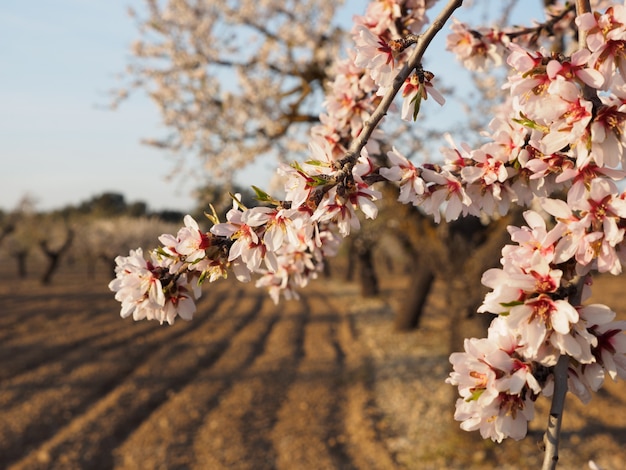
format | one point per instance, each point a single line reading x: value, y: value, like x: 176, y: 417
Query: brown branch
x: 346, y: 164
x: 582, y: 6
x: 547, y: 26
x: 553, y: 431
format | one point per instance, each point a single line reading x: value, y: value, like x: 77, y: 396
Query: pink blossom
x: 605, y: 38
x: 607, y: 129
x: 189, y: 245
x: 567, y: 119
x: 610, y: 351
x: 537, y: 318
x: 246, y: 247
x: 149, y: 291
x: 446, y: 193
x: 413, y: 91
x: 402, y: 171
x: 496, y: 386
x: 575, y: 67
x: 477, y: 50
x: 375, y: 55
x: 534, y: 239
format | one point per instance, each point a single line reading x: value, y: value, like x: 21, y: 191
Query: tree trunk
x: 22, y: 271
x: 54, y: 256
x: 367, y: 273
x: 410, y: 314
x: 352, y: 256
x: 53, y: 264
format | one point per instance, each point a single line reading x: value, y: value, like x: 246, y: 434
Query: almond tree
x: 557, y: 142
x: 19, y: 233
x: 101, y: 239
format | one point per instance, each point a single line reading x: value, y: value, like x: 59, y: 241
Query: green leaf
x: 526, y: 122
x: 316, y: 163
x: 262, y: 196
x: 213, y: 217
x: 418, y: 103
x: 475, y: 395
x: 238, y: 202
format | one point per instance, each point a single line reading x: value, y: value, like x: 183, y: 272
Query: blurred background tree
x: 234, y: 81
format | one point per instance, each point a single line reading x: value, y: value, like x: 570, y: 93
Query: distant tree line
x: 112, y: 204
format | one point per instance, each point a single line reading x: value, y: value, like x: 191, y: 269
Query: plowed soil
x: 324, y: 383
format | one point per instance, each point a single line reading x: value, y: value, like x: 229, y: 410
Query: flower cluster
x: 284, y: 242
x: 563, y: 134
x: 500, y: 376
x: 477, y: 49
x: 147, y: 289
x: 560, y: 133
x: 496, y: 384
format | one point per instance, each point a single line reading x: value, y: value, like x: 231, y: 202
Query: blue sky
x: 58, y: 142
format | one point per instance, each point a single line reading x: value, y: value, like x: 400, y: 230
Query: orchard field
x: 324, y: 383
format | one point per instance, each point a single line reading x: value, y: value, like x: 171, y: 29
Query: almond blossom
x: 415, y: 89
x: 605, y: 39
x: 496, y: 385
x: 189, y: 246
x: 593, y: 232
x: 375, y: 55
x: 477, y: 49
x: 402, y: 171
x: 148, y: 290
x: 247, y: 246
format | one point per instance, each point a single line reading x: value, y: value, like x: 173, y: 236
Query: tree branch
x: 552, y: 434
x: 414, y: 60
x: 582, y: 6
x: 553, y: 431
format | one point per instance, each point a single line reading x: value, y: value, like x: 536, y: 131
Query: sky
x: 59, y: 142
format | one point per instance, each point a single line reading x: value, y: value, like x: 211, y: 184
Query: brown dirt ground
x: 320, y: 384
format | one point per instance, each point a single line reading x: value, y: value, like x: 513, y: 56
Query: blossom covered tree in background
x: 258, y: 66
x: 556, y: 142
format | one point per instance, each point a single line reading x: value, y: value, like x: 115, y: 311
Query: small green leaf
x: 316, y: 163
x: 213, y: 217
x: 418, y: 103
x: 262, y: 196
x: 475, y: 395
x: 238, y: 202
x: 526, y: 122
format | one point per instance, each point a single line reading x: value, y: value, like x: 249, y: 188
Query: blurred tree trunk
x: 410, y: 313
x: 482, y: 252
x: 54, y: 256
x: 351, y: 259
x: 367, y: 272
x: 111, y: 264
x: 20, y: 257
x: 6, y: 230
